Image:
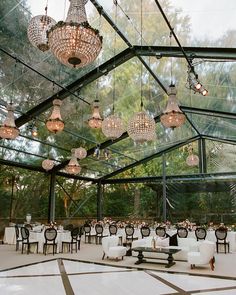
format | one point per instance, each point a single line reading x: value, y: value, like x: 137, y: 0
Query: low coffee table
x: 167, y: 251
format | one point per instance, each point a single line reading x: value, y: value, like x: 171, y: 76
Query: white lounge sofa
x: 184, y: 244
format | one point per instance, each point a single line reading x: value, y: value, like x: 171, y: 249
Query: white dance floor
x: 71, y: 277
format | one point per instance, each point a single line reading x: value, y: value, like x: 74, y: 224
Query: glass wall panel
x: 176, y: 160
x: 220, y: 157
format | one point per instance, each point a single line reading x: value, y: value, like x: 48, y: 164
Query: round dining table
x: 39, y: 236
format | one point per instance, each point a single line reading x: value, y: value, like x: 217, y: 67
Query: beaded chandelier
x: 37, y: 30
x: 95, y: 121
x: 113, y: 127
x: 55, y: 123
x: 74, y: 42
x: 80, y: 153
x: 47, y: 164
x: 172, y: 116
x: 8, y: 129
x: 73, y: 166
x: 141, y: 127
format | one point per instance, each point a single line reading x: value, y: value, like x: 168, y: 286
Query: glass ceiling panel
x: 154, y: 29
x: 216, y: 127
x: 165, y: 138
x: 208, y: 23
x: 194, y: 24
x: 150, y: 168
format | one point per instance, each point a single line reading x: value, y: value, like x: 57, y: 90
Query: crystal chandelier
x: 37, y: 30
x: 73, y: 166
x: 192, y: 160
x: 55, y: 123
x: 172, y: 116
x: 113, y: 127
x: 80, y: 153
x: 74, y: 42
x: 8, y: 129
x: 47, y: 164
x: 95, y: 121
x: 141, y: 127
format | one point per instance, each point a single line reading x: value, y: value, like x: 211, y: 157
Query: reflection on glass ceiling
x: 215, y: 127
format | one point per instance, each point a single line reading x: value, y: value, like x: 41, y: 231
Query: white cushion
x: 117, y: 251
x: 160, y: 242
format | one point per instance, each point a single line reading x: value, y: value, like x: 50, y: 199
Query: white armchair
x: 111, y: 249
x: 204, y: 256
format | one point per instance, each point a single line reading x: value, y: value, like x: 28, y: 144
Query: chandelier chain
x: 141, y: 43
x: 46, y: 8
x: 114, y: 54
x: 171, y: 61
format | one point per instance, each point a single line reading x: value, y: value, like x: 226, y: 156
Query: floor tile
x: 189, y: 283
x: 80, y: 267
x: 50, y: 267
x: 135, y: 282
x: 32, y: 286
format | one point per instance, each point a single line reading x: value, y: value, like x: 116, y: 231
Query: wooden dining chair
x: 26, y: 241
x: 50, y: 236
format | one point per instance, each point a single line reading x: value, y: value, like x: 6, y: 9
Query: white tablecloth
x: 9, y: 235
x: 39, y: 236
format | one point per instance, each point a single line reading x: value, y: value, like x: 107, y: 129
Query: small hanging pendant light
x: 96, y: 120
x: 55, y: 123
x: 192, y: 160
x: 8, y: 129
x: 48, y: 164
x: 73, y: 166
x: 80, y: 153
x: 172, y: 116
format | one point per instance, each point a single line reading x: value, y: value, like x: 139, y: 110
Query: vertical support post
x: 51, y: 200
x: 12, y: 196
x: 202, y: 155
x: 164, y: 185
x: 99, y: 201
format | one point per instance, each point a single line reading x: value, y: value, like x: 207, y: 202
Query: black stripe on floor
x: 64, y: 277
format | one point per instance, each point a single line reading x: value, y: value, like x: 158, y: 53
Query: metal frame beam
x: 223, y: 140
x: 174, y: 178
x: 192, y: 52
x: 206, y: 112
x: 52, y: 199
